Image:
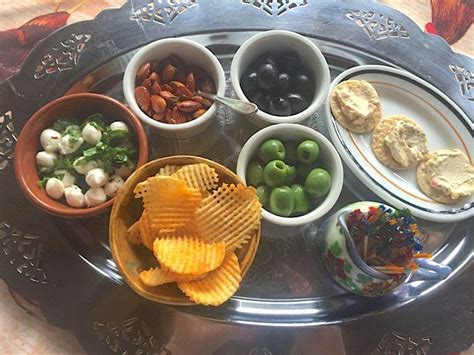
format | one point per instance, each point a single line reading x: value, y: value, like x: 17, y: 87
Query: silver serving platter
x: 287, y: 302
x: 287, y: 283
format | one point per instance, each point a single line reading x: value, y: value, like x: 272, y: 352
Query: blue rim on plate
x: 371, y: 172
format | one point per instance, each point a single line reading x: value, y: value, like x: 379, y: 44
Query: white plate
x: 446, y: 126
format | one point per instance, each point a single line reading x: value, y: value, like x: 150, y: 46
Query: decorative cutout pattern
x: 465, y: 79
x: 260, y: 351
x: 162, y: 12
x: 377, y: 26
x: 8, y: 140
x: 275, y: 8
x: 131, y: 336
x: 398, y: 343
x: 63, y: 57
x: 24, y: 251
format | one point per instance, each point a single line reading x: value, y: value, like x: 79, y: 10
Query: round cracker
x: 380, y: 149
x: 423, y: 181
x: 356, y: 86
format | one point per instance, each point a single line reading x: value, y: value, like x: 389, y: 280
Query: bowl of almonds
x: 162, y: 83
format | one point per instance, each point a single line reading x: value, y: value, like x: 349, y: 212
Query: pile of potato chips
x: 194, y: 225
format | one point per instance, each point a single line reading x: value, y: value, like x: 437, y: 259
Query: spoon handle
x: 244, y: 108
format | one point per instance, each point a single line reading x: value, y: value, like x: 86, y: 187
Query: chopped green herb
x: 74, y: 135
x: 62, y: 124
x: 96, y: 120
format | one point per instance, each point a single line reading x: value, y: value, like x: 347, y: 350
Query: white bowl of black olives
x: 282, y: 72
x: 297, y: 173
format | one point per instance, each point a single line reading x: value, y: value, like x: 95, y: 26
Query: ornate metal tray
x: 287, y: 302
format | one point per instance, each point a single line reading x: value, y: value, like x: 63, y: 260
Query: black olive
x: 288, y: 62
x: 262, y: 100
x: 302, y: 83
x: 297, y: 102
x: 279, y: 106
x: 249, y: 83
x: 267, y: 76
x: 282, y: 85
x: 266, y: 59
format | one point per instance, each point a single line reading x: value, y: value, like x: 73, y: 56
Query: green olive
x: 274, y: 173
x: 318, y: 182
x: 302, y: 171
x: 290, y: 152
x: 263, y: 194
x: 272, y: 149
x: 290, y: 175
x: 302, y: 204
x: 282, y: 201
x: 307, y: 152
x: 254, y: 173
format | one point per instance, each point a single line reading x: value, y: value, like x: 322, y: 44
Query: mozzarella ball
x: 95, y: 196
x: 118, y: 125
x: 66, y: 148
x: 84, y: 168
x: 125, y: 170
x: 50, y: 139
x: 97, y: 177
x: 74, y: 196
x: 67, y: 178
x: 115, y: 183
x: 91, y: 134
x: 55, y: 188
x: 45, y: 158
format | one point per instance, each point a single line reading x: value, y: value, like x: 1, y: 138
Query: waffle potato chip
x: 156, y: 276
x: 231, y: 214
x: 198, y: 176
x: 167, y: 170
x: 169, y: 203
x: 133, y: 233
x: 218, y: 286
x: 188, y: 255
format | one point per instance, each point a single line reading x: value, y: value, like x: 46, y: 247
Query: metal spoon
x: 244, y: 108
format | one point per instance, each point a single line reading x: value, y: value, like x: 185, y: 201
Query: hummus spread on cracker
x: 407, y: 143
x: 450, y: 172
x: 356, y: 105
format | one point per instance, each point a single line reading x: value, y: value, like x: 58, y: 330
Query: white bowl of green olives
x: 283, y: 73
x: 297, y: 172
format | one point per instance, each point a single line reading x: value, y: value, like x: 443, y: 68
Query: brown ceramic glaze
x: 76, y: 106
x: 131, y: 259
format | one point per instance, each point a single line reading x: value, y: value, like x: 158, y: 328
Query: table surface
x: 37, y: 336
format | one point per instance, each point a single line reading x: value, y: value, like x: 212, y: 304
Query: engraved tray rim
x: 20, y: 100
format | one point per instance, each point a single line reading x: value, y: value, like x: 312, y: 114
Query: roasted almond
x: 199, y: 113
x: 180, y: 89
x: 142, y: 95
x: 207, y: 86
x: 147, y: 83
x: 167, y: 87
x: 191, y: 82
x: 177, y: 116
x: 158, y: 104
x: 155, y: 88
x: 206, y: 103
x: 154, y: 77
x: 189, y: 106
x: 159, y: 116
x: 168, y: 73
x: 170, y: 98
x: 168, y: 114
x: 143, y: 72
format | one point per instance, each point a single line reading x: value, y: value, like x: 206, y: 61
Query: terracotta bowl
x: 75, y: 106
x: 131, y: 259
